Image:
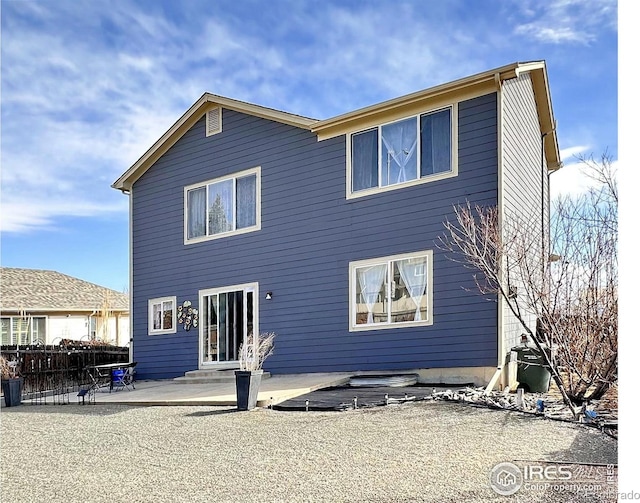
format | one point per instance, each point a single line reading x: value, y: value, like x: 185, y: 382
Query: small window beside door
x: 162, y: 316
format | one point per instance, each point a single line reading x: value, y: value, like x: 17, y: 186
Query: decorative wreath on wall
x: 187, y: 315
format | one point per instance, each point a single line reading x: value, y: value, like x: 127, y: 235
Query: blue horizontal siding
x: 309, y: 234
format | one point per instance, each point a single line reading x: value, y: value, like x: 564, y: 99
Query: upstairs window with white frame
x: 162, y: 316
x: 222, y: 207
x: 391, y: 292
x: 408, y: 151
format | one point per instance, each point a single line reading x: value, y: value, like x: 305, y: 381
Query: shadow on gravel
x: 592, y: 446
x: 592, y: 463
x: 216, y: 412
x: 71, y: 408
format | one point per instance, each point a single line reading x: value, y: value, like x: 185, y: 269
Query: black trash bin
x: 533, y: 373
x: 12, y: 391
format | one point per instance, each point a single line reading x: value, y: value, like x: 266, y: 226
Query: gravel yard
x: 424, y: 451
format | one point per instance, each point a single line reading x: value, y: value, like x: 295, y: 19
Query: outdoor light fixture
x: 269, y: 295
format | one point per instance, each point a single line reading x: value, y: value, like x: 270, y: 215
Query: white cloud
x: 555, y: 35
x: 88, y: 87
x: 567, y: 21
x: 571, y: 153
x: 23, y: 216
x: 569, y: 181
x: 573, y: 178
x: 75, y: 114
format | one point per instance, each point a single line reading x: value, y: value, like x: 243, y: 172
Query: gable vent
x: 214, y: 121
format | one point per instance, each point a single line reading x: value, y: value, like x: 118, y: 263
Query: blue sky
x: 88, y: 86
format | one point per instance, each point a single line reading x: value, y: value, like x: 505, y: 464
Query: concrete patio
x: 273, y: 390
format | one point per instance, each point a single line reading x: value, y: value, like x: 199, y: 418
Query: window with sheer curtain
x: 407, y: 151
x: 391, y: 291
x: 223, y: 206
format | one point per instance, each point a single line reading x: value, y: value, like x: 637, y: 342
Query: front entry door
x: 227, y: 317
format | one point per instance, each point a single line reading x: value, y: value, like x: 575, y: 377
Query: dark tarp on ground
x: 342, y: 397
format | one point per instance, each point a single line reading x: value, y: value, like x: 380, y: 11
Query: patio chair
x: 124, y: 377
x: 98, y: 378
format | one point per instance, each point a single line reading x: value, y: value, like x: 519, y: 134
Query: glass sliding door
x: 227, y: 319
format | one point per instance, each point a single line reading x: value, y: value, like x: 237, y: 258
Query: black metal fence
x: 57, y: 371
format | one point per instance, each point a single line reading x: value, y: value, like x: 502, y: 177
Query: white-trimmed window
x: 93, y: 328
x: 162, y: 316
x: 391, y: 292
x: 413, y: 150
x: 228, y: 318
x: 23, y: 330
x: 222, y: 206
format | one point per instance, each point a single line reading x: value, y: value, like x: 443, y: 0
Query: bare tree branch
x: 574, y: 296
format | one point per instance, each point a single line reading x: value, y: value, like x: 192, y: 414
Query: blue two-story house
x: 325, y: 231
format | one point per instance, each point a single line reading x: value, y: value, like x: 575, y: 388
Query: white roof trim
x: 206, y: 102
x: 334, y: 125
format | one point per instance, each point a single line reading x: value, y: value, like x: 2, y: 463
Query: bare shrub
x: 572, y: 292
x: 256, y: 350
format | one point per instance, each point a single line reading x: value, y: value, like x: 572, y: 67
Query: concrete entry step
x: 210, y: 376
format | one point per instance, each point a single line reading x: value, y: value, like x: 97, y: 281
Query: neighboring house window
x: 23, y: 330
x: 92, y: 328
x: 5, y: 331
x: 391, y: 292
x: 222, y: 207
x: 162, y: 316
x: 405, y: 152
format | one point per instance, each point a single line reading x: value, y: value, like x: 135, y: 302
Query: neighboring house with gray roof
x: 40, y: 306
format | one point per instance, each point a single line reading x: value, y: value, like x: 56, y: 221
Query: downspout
x: 542, y: 201
x: 500, y: 325
x: 544, y: 173
x: 129, y: 193
x: 550, y: 258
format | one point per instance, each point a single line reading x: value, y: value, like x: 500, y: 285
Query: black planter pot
x: 12, y: 391
x: 247, y: 386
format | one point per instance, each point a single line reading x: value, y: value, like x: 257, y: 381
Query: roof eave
x: 431, y: 92
x: 340, y: 124
x: 181, y: 126
x: 6, y: 311
x: 205, y: 103
x: 335, y: 125
x: 546, y: 118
